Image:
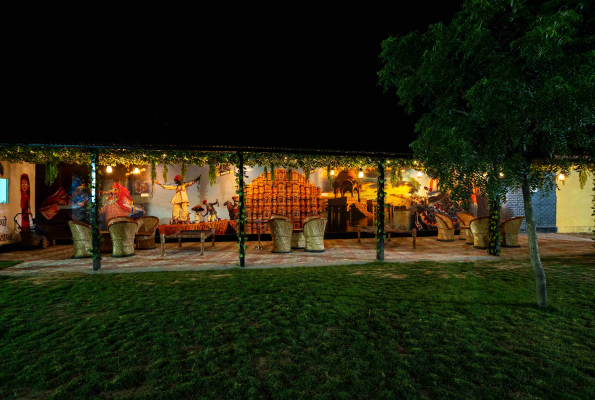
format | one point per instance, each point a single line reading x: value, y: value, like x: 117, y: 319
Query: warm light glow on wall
x: 109, y: 169
x: 561, y: 177
x: 419, y: 174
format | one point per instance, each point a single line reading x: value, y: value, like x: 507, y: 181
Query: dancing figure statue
x: 211, y: 212
x: 180, y: 201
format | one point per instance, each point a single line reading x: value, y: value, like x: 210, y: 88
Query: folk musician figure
x: 180, y: 214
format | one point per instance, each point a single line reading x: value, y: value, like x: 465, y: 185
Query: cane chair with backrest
x: 314, y: 233
x: 464, y: 220
x: 122, y: 234
x: 81, y: 239
x: 479, y: 229
x: 281, y: 229
x: 145, y: 236
x: 509, y: 231
x: 446, y: 228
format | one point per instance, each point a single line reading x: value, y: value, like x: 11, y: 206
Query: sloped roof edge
x: 181, y: 147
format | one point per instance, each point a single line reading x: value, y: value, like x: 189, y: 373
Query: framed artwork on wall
x: 142, y: 187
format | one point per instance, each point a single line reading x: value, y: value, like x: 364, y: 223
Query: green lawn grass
x: 379, y: 331
x: 6, y: 264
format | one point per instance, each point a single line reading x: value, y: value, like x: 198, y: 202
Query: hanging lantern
x: 109, y: 169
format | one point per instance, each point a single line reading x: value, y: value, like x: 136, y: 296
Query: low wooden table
x: 202, y: 234
x: 387, y: 229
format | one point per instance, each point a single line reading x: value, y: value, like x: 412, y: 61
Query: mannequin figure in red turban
x: 180, y: 201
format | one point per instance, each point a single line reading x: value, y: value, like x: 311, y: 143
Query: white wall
x: 9, y: 210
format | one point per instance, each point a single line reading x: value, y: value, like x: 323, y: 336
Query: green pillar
x: 95, y: 234
x: 494, y: 227
x: 242, y: 208
x: 380, y: 212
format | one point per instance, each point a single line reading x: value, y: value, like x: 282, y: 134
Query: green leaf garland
x: 153, y: 176
x: 212, y: 174
x: 183, y: 172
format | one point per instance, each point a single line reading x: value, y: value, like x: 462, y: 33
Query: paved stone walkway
x: 338, y: 252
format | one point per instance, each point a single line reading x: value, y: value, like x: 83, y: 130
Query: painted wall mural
x: 25, y: 202
x: 64, y: 200
x: 410, y: 203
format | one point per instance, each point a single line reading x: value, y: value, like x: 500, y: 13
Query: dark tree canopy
x: 511, y: 89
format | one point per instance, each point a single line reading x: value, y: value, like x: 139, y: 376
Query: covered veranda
x: 306, y: 161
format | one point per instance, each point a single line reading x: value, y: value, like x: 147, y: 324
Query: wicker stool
x: 464, y: 220
x: 479, y: 229
x: 122, y: 234
x: 145, y: 236
x: 281, y: 228
x: 509, y: 230
x: 468, y: 236
x: 81, y: 239
x: 297, y: 239
x: 446, y: 228
x: 314, y: 233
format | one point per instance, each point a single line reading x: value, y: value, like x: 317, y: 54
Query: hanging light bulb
x: 332, y: 172
x: 501, y: 175
x: 361, y: 173
x: 561, y: 177
x: 419, y: 174
x: 136, y: 171
x: 109, y: 169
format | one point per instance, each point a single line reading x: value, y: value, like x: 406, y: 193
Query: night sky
x: 303, y: 79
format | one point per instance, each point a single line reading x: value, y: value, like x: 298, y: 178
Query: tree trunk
x: 538, y: 272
